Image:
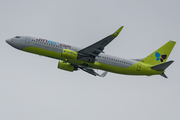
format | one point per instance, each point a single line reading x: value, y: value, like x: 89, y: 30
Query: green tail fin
x: 160, y: 55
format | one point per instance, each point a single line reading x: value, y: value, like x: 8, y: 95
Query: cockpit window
x: 17, y: 37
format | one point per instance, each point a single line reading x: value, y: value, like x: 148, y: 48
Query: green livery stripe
x: 138, y: 68
x: 57, y: 55
x: 43, y: 52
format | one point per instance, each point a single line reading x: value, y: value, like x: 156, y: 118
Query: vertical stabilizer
x: 160, y: 55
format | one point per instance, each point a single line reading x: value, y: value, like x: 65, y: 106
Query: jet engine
x: 66, y: 66
x: 66, y: 53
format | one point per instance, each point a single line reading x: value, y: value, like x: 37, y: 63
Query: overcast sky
x: 33, y: 88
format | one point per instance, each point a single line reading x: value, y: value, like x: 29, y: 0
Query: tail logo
x: 160, y: 57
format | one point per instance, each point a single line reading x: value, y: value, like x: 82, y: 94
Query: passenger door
x: 27, y: 40
x: 139, y: 66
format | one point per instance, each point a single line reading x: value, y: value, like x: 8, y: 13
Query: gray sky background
x: 32, y: 88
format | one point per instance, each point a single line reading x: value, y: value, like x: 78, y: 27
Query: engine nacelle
x: 66, y: 53
x: 66, y: 66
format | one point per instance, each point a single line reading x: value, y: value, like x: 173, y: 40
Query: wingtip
x: 171, y: 41
x: 117, y: 32
x: 103, y: 74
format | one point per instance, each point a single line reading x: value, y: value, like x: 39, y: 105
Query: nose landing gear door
x: 27, y: 40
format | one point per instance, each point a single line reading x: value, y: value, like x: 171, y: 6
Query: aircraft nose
x: 8, y: 41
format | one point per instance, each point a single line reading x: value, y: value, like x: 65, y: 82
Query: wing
x: 92, y: 72
x: 89, y: 53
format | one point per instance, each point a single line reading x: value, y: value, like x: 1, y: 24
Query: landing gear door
x: 27, y: 40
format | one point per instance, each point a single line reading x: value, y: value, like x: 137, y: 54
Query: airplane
x: 88, y: 59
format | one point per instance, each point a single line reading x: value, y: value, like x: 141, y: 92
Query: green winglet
x: 117, y: 32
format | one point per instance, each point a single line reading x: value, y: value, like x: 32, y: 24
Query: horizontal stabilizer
x: 163, y: 75
x: 163, y: 66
